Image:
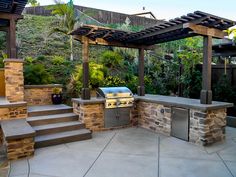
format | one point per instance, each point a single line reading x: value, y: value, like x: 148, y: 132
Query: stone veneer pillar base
x: 207, y: 127
x: 14, y: 80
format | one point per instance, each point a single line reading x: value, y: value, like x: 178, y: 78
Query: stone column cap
x: 13, y: 60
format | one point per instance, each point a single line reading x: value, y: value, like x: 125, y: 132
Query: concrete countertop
x: 167, y: 101
x: 93, y: 100
x: 182, y: 102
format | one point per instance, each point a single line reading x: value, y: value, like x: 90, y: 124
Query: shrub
x: 113, y: 81
x: 58, y: 60
x: 36, y: 74
x: 29, y: 60
x: 111, y: 59
x: 1, y: 63
x: 223, y: 90
x: 97, y: 74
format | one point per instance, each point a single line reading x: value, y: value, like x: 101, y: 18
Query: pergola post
x: 11, y: 36
x: 206, y: 93
x: 85, y: 95
x: 141, y: 87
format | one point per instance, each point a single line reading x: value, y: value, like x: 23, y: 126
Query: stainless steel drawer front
x: 180, y: 123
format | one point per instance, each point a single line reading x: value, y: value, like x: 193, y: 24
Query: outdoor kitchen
x: 183, y: 118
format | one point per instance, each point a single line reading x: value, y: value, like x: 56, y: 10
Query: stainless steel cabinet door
x: 180, y: 123
x: 117, y: 117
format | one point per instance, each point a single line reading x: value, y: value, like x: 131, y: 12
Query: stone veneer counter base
x: 154, y: 112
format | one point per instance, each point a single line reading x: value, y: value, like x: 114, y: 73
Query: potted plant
x: 56, y: 96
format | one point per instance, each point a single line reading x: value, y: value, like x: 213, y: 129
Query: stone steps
x: 63, y: 137
x: 56, y: 124
x: 48, y: 110
x: 58, y: 127
x: 50, y: 119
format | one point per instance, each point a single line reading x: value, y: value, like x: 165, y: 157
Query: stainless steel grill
x: 116, y: 97
x: 118, y: 102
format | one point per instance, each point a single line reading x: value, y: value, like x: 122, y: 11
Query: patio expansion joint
x: 158, y: 157
x: 231, y: 173
x: 28, y: 167
x: 99, y: 154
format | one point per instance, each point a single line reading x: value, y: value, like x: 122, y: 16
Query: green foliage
x: 33, y: 3
x: 29, y: 60
x: 58, y: 60
x: 1, y: 63
x: 56, y: 90
x: 113, y: 81
x: 97, y: 73
x: 223, y: 90
x: 111, y: 59
x: 36, y: 74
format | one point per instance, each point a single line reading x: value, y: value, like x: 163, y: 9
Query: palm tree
x: 67, y: 20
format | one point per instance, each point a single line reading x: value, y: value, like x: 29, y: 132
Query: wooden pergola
x: 193, y: 24
x: 10, y: 13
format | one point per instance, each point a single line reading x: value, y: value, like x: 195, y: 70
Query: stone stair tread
x: 47, y: 108
x: 66, y: 134
x: 56, y: 125
x: 53, y: 116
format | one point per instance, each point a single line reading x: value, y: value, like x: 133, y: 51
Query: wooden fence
x: 103, y: 16
x: 219, y: 70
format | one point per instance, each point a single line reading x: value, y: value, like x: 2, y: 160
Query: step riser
x: 50, y: 112
x: 63, y: 140
x: 51, y: 121
x: 59, y: 129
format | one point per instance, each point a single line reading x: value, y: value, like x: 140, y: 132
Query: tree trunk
x: 71, y: 49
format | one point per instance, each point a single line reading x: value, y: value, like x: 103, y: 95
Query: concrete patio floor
x: 131, y: 152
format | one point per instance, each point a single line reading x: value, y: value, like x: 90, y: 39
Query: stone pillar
x: 14, y: 80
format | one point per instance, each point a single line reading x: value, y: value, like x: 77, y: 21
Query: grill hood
x: 114, y: 92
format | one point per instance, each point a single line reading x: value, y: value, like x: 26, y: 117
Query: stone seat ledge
x: 16, y: 129
x: 7, y: 104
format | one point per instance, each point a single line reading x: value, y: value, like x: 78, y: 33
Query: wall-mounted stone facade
x: 19, y: 148
x: 40, y: 94
x: 90, y: 114
x: 14, y: 80
x: 13, y: 112
x: 154, y: 117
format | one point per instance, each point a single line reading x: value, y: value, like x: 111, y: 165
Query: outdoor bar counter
x: 183, y: 118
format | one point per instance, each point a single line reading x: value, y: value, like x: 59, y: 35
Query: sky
x: 162, y: 9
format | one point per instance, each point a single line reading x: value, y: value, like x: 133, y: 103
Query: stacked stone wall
x: 155, y: 117
x: 39, y: 95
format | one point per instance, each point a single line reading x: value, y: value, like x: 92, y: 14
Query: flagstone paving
x: 131, y: 152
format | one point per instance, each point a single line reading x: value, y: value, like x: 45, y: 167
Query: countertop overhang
x: 183, y: 102
x: 167, y: 101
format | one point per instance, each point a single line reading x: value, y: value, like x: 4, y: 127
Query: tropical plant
x: 111, y: 59
x: 33, y: 3
x: 67, y: 20
x: 58, y: 60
